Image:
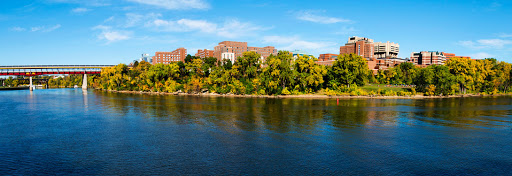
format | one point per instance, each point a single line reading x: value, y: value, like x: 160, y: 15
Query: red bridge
x: 35, y: 70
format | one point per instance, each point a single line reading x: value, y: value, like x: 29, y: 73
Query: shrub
x: 285, y: 91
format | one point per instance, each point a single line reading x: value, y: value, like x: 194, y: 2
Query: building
x: 168, y: 57
x: 204, y: 53
x: 451, y: 55
x: 327, y: 57
x: 426, y: 58
x: 385, y: 63
x: 386, y: 50
x: 359, y: 45
x: 146, y: 58
x: 297, y: 53
x: 228, y: 56
x: 238, y: 48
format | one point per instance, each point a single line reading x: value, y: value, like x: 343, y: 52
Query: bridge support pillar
x: 84, y: 83
x: 31, y: 87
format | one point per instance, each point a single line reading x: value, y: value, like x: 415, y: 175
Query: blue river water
x: 70, y: 132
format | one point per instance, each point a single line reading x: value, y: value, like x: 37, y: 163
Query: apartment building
x: 361, y: 46
x: 168, y: 57
x: 204, y: 53
x: 386, y: 50
x: 426, y: 58
x: 238, y: 48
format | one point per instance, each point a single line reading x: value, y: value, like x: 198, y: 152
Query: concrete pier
x: 84, y: 83
x: 31, y: 87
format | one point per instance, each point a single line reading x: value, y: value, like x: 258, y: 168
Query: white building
x: 228, y: 56
x: 386, y: 50
x: 147, y: 58
x: 297, y: 53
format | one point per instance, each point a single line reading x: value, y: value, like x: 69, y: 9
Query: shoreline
x: 306, y: 96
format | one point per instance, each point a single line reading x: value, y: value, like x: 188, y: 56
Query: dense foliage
x: 283, y: 74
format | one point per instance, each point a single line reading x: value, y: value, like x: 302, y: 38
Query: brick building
x: 451, y: 55
x: 361, y: 46
x: 238, y: 48
x: 204, y: 53
x: 426, y: 58
x: 168, y: 57
x: 327, y: 57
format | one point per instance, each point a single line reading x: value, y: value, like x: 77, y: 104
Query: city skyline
x: 111, y: 32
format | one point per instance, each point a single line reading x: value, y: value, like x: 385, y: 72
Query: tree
x: 349, y: 69
x: 308, y: 74
x: 248, y: 64
x: 188, y: 58
x: 278, y: 74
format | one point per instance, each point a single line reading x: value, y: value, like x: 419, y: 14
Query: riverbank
x: 307, y: 96
x: 14, y: 88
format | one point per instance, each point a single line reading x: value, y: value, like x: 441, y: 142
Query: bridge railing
x: 53, y: 66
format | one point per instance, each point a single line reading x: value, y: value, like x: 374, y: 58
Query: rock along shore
x: 306, y: 96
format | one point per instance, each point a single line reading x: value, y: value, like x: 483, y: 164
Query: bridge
x: 36, y: 70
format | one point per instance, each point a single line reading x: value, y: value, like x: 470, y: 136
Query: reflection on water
x: 68, y: 131
x: 283, y: 115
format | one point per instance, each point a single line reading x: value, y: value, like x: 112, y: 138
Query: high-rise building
x: 168, y: 57
x: 426, y: 58
x: 358, y: 45
x: 386, y: 50
x: 204, y: 53
x: 238, y: 48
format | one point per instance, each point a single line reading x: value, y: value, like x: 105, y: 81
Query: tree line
x: 282, y: 74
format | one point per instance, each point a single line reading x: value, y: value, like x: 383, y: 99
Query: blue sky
x: 119, y: 31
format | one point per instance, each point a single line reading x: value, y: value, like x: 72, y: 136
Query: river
x: 67, y: 131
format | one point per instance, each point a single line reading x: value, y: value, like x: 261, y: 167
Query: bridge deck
x: 52, y: 66
x: 34, y: 70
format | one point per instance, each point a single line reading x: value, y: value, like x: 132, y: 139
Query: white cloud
x: 499, y: 43
x: 311, y: 16
x: 80, y: 10
x: 95, y: 3
x: 503, y: 35
x: 133, y: 19
x: 109, y: 35
x: 235, y: 28
x: 45, y: 28
x: 35, y: 29
x: 175, y: 4
x: 230, y: 28
x: 346, y: 31
x: 486, y: 43
x: 108, y: 19
x: 481, y: 55
x: 57, y: 26
x: 17, y: 29
x: 293, y: 43
x: 200, y: 25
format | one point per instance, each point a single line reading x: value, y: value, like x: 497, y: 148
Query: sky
x: 56, y: 32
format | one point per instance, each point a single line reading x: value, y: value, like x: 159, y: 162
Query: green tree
x: 349, y: 69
